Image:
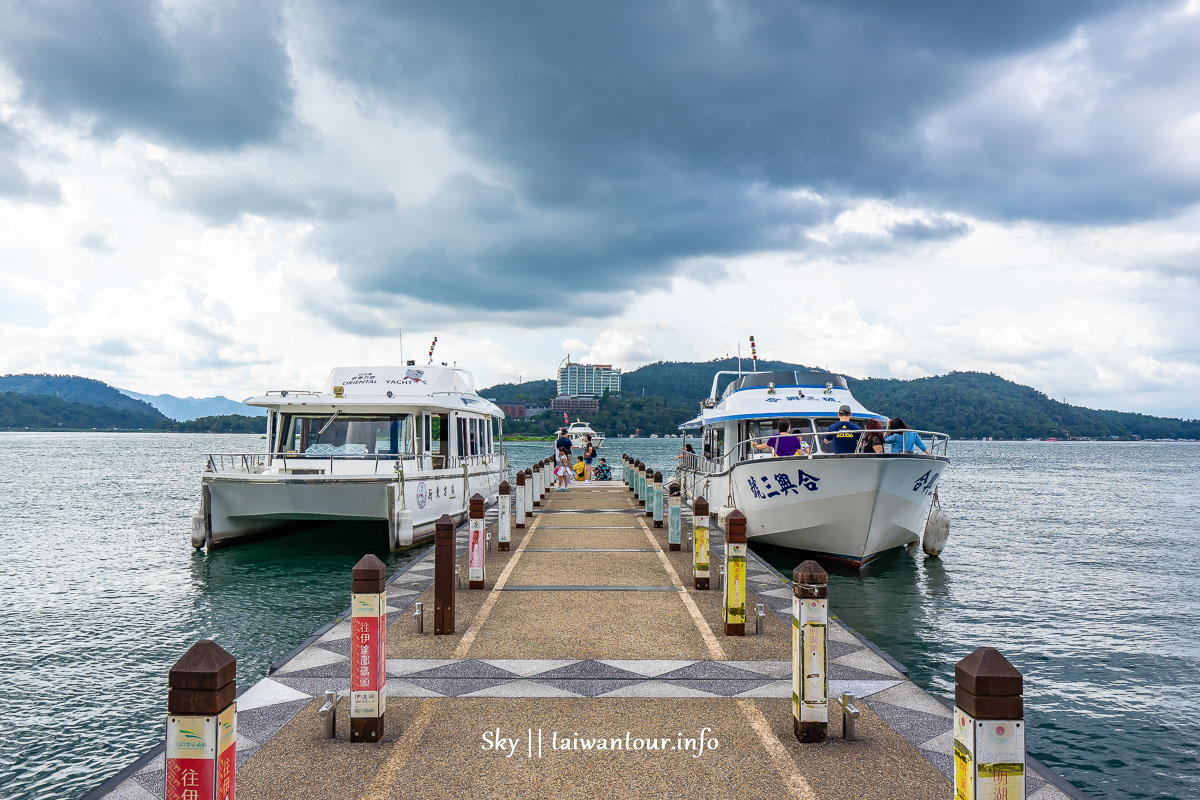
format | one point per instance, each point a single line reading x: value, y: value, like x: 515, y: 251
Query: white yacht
x: 846, y: 507
x: 576, y: 432
x: 397, y: 444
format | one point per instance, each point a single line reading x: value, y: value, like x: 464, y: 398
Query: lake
x: 1076, y: 560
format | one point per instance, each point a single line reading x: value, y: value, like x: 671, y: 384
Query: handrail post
x: 368, y: 649
x: 735, y: 574
x: 700, y: 565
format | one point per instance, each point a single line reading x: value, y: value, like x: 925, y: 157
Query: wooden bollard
x: 657, y: 500
x: 529, y: 479
x: 368, y: 649
x: 539, y: 483
x: 504, y: 517
x: 700, y: 564
x: 810, y: 667
x: 674, y: 518
x: 475, y: 544
x: 201, y: 724
x: 519, y: 517
x: 735, y: 574
x: 443, y: 576
x: 989, y: 727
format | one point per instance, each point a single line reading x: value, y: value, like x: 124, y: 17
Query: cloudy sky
x: 225, y: 197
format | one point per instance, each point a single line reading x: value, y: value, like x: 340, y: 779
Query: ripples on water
x: 1078, y: 561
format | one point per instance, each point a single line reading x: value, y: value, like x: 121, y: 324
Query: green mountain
x: 963, y: 404
x: 69, y: 402
x: 47, y: 412
x: 76, y: 390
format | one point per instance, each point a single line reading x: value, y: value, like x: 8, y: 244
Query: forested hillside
x: 46, y: 412
x: 76, y: 390
x: 963, y: 404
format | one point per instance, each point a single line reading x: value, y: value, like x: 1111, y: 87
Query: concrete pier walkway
x: 603, y: 673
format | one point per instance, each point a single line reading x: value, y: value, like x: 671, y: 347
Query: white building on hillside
x: 588, y: 380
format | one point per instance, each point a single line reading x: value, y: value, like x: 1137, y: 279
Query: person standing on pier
x: 563, y: 443
x: 589, y: 452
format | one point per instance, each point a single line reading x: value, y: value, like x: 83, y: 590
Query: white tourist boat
x: 847, y: 507
x: 403, y: 445
x: 577, y: 431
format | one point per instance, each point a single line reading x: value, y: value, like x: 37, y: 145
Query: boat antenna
x: 753, y: 354
x: 739, y: 358
x: 402, y: 347
x: 432, y: 345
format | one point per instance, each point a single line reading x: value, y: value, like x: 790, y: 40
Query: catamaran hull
x: 848, y: 509
x: 247, y: 506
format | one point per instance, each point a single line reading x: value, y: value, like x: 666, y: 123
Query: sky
x: 230, y: 197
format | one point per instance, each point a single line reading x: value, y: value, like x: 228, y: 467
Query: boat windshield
x: 348, y: 435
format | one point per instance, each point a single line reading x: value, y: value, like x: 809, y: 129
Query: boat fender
x: 402, y: 528
x: 937, y: 529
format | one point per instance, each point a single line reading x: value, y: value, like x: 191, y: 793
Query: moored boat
x: 397, y: 444
x: 578, y: 431
x: 848, y: 507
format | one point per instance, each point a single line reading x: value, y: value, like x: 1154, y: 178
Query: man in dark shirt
x: 843, y: 440
x: 563, y: 443
x: 783, y: 444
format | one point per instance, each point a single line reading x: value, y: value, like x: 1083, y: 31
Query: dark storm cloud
x: 630, y: 137
x: 223, y: 197
x: 215, y: 75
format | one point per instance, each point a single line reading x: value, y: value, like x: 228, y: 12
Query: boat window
x: 461, y: 430
x: 348, y: 435
x: 439, y: 433
x: 473, y: 432
x: 822, y: 426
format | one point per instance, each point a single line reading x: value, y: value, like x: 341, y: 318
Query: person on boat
x: 580, y: 469
x: 872, y: 440
x: 844, y: 433
x: 904, y: 440
x: 783, y: 443
x: 687, y: 456
x: 589, y: 452
x: 602, y: 472
x: 563, y: 443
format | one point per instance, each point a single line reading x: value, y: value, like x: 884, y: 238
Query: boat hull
x: 245, y: 505
x: 848, y: 508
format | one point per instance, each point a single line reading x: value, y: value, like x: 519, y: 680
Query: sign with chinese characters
x: 674, y: 522
x: 191, y: 758
x: 700, y: 547
x: 504, y: 521
x: 964, y: 755
x: 779, y: 484
x: 226, y: 752
x: 735, y: 585
x: 368, y: 665
x: 475, y: 553
x: 814, y: 684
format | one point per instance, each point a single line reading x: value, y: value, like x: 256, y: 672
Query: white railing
x: 381, y: 463
x: 937, y: 444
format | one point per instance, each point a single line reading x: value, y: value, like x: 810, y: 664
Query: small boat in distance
x: 844, y: 506
x: 397, y: 444
x: 576, y: 432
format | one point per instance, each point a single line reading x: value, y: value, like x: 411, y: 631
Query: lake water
x: 1078, y: 561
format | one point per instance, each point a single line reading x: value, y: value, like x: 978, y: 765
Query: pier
x: 588, y: 665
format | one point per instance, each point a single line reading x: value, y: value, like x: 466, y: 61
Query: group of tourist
x: 847, y: 437
x: 582, y: 469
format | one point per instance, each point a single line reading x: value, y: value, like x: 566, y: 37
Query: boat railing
x: 813, y: 445
x: 382, y: 463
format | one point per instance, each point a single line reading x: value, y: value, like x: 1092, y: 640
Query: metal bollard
x: 734, y: 574
x: 418, y: 617
x: 989, y: 727
x: 476, y: 544
x: 689, y: 543
x: 368, y: 649
x: 504, y: 517
x: 328, y: 714
x: 810, y: 667
x: 201, y: 724
x: 850, y: 714
x: 519, y: 520
x: 674, y: 517
x: 760, y: 615
x: 700, y: 544
x: 446, y: 575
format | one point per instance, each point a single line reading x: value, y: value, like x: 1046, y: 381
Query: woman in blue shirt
x: 903, y: 441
